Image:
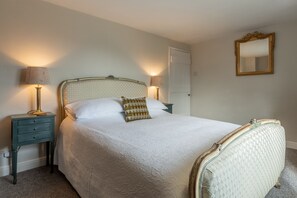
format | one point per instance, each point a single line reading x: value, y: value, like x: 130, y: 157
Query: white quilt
x: 108, y: 157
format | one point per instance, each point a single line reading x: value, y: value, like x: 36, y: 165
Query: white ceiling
x: 188, y: 21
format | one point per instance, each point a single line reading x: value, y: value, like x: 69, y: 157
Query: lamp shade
x: 37, y: 75
x: 156, y: 81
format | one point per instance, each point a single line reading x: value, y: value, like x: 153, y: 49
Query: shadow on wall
x: 5, y: 141
x: 22, y: 75
x: 12, y: 100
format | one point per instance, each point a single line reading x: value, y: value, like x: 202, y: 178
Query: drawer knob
x: 34, y: 129
x: 33, y: 137
x: 34, y: 120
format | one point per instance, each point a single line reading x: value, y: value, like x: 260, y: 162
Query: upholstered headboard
x: 72, y: 90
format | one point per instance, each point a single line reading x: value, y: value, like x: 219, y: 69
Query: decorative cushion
x: 135, y: 109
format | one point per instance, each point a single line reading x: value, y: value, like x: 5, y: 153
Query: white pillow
x: 153, y: 104
x: 158, y: 112
x: 93, y: 108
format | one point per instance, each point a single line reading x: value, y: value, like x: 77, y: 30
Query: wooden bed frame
x: 245, y: 163
x: 72, y: 90
x: 257, y: 155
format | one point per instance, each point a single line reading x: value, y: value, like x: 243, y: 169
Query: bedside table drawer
x: 34, y: 121
x: 33, y: 136
x: 33, y: 128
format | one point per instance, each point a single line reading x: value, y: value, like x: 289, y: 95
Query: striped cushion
x: 135, y: 109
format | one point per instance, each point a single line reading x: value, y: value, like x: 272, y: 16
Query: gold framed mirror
x: 255, y: 54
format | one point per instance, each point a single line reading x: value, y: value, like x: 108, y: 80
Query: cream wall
x: 70, y: 44
x: 217, y: 93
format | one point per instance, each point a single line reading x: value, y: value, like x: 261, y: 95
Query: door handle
x: 189, y: 94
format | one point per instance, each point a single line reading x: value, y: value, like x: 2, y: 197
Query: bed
x: 166, y: 156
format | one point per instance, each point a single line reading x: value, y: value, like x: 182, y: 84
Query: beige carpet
x: 288, y: 178
x: 39, y: 183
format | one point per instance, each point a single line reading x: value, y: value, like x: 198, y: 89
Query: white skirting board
x: 23, y: 166
x: 292, y: 145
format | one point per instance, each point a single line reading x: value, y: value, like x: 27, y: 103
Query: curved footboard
x: 245, y: 163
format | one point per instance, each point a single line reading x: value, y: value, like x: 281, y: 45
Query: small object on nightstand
x: 31, y: 129
x: 169, y: 107
x: 38, y: 76
x: 156, y: 82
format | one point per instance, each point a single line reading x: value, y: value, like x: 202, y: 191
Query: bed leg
x: 277, y: 184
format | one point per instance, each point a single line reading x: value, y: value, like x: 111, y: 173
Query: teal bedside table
x: 169, y: 106
x: 30, y: 129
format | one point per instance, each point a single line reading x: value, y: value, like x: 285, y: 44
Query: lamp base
x: 37, y: 113
x: 157, y: 93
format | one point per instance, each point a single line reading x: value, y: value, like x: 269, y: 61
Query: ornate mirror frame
x: 253, y: 37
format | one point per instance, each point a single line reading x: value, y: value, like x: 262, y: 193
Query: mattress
x: 108, y: 157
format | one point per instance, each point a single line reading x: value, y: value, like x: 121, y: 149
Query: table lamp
x: 38, y: 76
x: 156, y: 82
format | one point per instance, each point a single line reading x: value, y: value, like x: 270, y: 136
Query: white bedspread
x: 108, y: 157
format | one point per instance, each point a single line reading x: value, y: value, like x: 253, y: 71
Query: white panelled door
x: 179, y: 80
